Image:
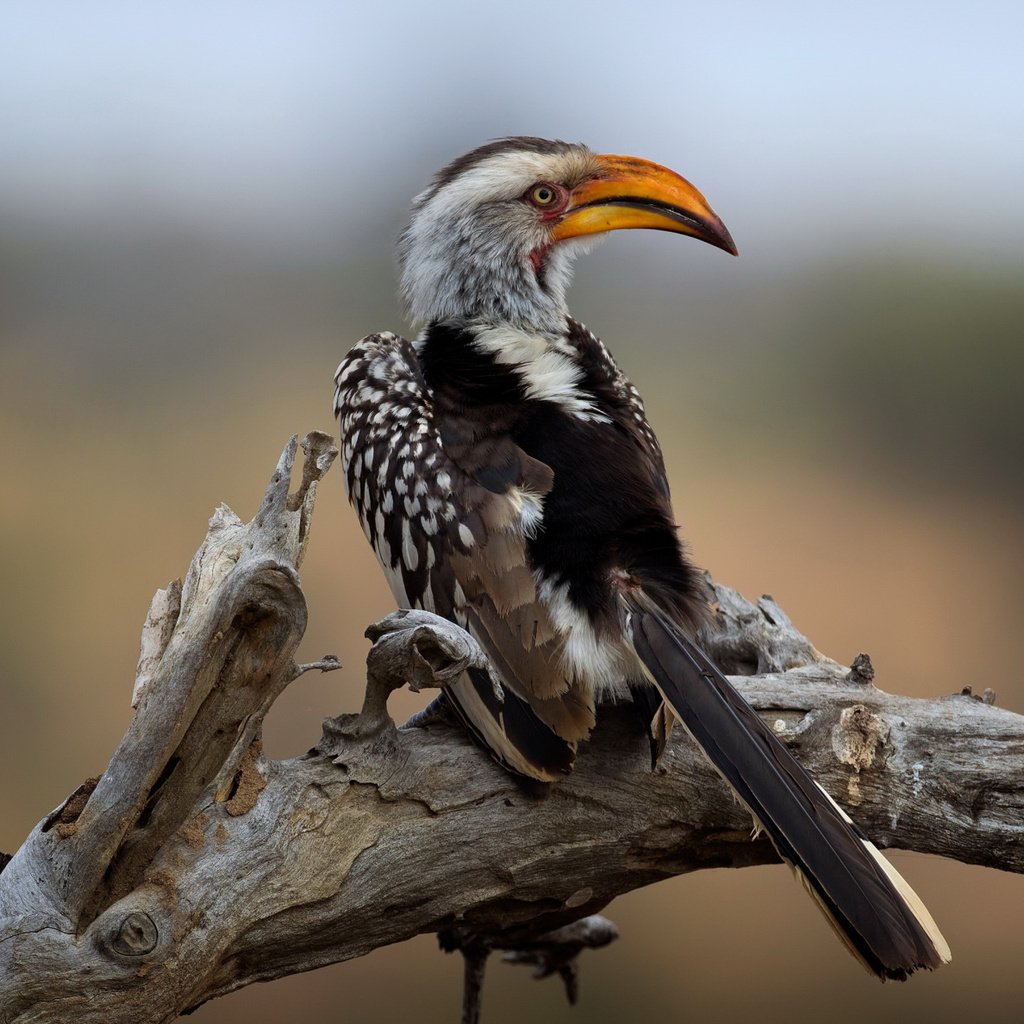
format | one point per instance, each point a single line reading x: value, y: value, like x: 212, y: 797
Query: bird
x: 504, y: 471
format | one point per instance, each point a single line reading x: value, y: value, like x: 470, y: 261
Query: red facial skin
x: 548, y: 212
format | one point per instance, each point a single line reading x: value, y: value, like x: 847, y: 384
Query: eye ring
x: 544, y: 195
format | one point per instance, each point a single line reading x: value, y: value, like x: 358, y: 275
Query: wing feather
x: 448, y: 513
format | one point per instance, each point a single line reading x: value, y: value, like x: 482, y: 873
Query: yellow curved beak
x: 635, y: 193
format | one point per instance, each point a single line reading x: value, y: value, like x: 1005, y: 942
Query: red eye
x: 546, y: 196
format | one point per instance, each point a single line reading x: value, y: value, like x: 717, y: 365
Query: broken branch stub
x: 215, y: 653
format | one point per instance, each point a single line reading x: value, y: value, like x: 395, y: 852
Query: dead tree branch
x: 195, y: 865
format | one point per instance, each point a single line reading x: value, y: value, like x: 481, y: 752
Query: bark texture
x: 195, y: 865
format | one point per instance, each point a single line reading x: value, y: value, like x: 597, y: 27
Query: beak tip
x: 714, y: 231
x: 723, y: 240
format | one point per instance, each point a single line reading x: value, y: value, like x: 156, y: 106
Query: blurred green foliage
x: 914, y: 366
x: 921, y: 366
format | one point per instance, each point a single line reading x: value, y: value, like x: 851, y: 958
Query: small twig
x: 474, y: 965
x: 328, y: 663
x: 553, y: 952
x: 558, y: 952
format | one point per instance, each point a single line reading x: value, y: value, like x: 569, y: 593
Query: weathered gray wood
x: 196, y: 865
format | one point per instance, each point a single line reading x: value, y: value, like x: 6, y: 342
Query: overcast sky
x: 301, y: 119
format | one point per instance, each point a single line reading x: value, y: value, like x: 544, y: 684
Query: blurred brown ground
x: 792, y: 474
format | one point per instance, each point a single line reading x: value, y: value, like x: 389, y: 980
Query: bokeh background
x: 198, y: 203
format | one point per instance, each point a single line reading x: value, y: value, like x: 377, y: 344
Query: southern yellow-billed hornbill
x: 504, y: 471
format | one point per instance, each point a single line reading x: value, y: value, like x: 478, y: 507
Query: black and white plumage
x: 505, y: 473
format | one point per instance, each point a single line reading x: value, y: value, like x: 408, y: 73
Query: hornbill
x: 504, y: 471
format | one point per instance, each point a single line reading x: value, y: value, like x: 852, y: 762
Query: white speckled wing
x: 448, y: 544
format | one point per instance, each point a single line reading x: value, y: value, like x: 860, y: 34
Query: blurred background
x: 198, y: 204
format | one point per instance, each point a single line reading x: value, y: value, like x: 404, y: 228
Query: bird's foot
x: 410, y: 647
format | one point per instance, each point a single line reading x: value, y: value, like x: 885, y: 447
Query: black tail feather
x: 870, y: 906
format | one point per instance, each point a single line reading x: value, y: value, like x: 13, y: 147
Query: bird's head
x: 494, y: 236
